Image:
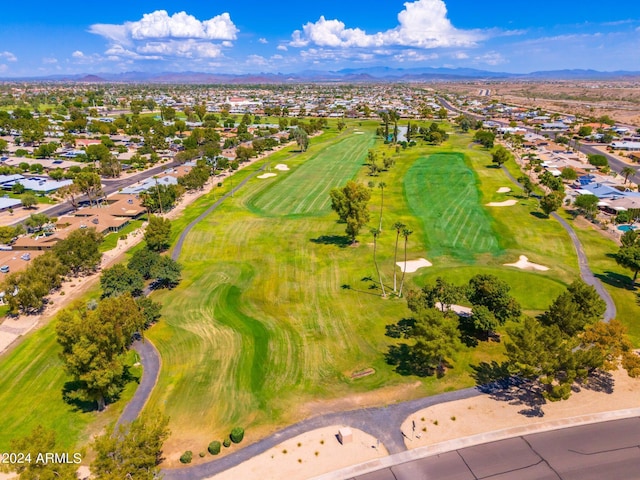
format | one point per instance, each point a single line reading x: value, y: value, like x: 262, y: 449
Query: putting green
x: 442, y: 191
x: 305, y: 191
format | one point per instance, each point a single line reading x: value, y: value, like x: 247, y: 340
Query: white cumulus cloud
x: 158, y: 35
x: 8, y: 56
x: 263, y: 40
x: 422, y: 24
x: 77, y: 54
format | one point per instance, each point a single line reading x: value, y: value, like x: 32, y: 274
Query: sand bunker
x: 267, y: 175
x: 506, y: 203
x: 504, y: 190
x: 414, y: 265
x: 358, y: 133
x: 524, y: 263
x: 282, y: 167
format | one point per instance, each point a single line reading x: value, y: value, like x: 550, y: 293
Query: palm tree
x: 381, y: 186
x: 627, y: 172
x: 375, y: 234
x: 398, y: 226
x: 405, y: 233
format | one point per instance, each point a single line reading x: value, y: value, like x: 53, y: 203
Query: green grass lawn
x: 31, y: 386
x: 276, y: 311
x: 305, y: 190
x: 441, y: 191
x: 111, y: 240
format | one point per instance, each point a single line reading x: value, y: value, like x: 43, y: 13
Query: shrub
x: 201, y: 454
x: 237, y: 434
x: 226, y: 443
x: 186, y: 457
x: 214, y: 447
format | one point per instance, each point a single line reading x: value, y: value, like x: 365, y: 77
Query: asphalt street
x: 607, y: 450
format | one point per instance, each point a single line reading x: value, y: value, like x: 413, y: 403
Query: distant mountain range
x: 350, y: 75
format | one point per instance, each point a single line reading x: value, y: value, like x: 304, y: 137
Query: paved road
x: 383, y: 423
x: 608, y: 450
x: 585, y: 272
x: 615, y: 164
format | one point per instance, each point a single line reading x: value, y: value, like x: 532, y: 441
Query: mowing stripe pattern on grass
x: 442, y: 191
x: 305, y: 191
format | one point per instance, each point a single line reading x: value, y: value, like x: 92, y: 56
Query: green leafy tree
x: 569, y: 174
x: 435, y: 340
x: 28, y: 200
x: 42, y: 440
x: 579, y: 306
x: 351, y: 204
x: 150, y: 310
x: 119, y: 279
x: 80, y: 251
x: 441, y: 295
x: 89, y: 183
x: 527, y: 185
x: 491, y: 292
x: 142, y: 261
x: 550, y: 203
x: 483, y: 320
x: 94, y: 344
x: 157, y: 235
x: 598, y: 160
x: 132, y: 451
x: 166, y: 272
x: 500, y: 155
x: 301, y: 138
x: 587, y: 204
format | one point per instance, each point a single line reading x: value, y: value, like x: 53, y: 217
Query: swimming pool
x: 626, y: 228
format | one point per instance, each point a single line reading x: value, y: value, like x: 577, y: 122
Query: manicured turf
x: 442, y: 192
x: 305, y: 190
x: 31, y: 387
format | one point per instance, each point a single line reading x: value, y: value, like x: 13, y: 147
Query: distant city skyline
x: 73, y: 37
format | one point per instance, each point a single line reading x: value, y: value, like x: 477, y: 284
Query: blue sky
x: 249, y: 36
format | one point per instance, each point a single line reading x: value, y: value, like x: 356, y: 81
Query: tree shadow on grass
x: 346, y: 286
x: 341, y: 241
x: 406, y: 362
x: 72, y: 393
x: 539, y: 215
x: 616, y: 280
x: 495, y: 380
x: 72, y: 396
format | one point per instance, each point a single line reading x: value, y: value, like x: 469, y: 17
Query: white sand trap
x: 267, y: 175
x: 504, y: 190
x: 414, y: 265
x: 282, y: 167
x: 506, y: 203
x: 358, y: 133
x: 524, y: 263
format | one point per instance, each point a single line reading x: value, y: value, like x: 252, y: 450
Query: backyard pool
x: 626, y: 228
